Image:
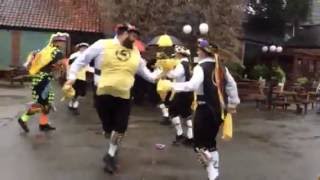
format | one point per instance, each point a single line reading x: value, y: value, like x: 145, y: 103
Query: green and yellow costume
x: 40, y: 69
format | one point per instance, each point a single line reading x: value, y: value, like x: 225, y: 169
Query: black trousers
x: 181, y: 105
x: 167, y: 99
x: 138, y: 90
x: 206, y: 127
x: 80, y: 87
x: 113, y: 112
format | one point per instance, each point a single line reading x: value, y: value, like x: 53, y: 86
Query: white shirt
x: 178, y: 73
x: 196, y: 83
x: 96, y: 52
x: 74, y: 56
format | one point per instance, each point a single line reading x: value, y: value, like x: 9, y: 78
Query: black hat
x: 207, y: 47
x: 134, y: 29
x: 120, y: 28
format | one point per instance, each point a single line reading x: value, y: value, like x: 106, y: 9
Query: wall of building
x: 314, y: 17
x: 15, y: 45
x: 30, y: 41
x: 5, y: 48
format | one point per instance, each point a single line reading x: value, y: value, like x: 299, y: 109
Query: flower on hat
x: 83, y: 44
x: 182, y: 50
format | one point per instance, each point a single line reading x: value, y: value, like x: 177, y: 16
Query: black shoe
x: 46, y: 128
x: 179, y: 140
x: 110, y: 164
x: 76, y: 111
x: 23, y: 125
x: 165, y: 121
x: 188, y: 142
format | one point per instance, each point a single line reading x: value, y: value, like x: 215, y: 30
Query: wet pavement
x: 266, y: 146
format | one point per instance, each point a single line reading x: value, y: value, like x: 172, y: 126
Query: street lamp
x: 187, y: 29
x: 203, y: 30
x: 265, y: 49
x: 279, y: 49
x: 274, y: 50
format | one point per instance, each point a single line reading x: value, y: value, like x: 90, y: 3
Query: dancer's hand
x: 232, y: 109
x: 68, y: 92
x: 69, y: 82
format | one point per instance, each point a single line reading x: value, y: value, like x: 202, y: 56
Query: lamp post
x: 275, y: 50
x: 203, y: 29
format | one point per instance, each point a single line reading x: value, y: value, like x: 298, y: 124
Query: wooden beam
x: 15, y: 47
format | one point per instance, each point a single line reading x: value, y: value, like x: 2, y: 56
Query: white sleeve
x: 193, y: 84
x: 145, y: 73
x: 318, y: 88
x: 231, y: 90
x: 176, y: 72
x: 89, y: 69
x: 85, y: 58
x: 74, y: 56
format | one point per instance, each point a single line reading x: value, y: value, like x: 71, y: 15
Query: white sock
x: 177, y: 123
x: 212, y: 172
x: 165, y: 112
x: 213, y: 167
x: 112, y: 149
x: 164, y: 109
x: 70, y: 104
x: 215, y: 158
x: 189, y: 129
x: 161, y: 106
x: 76, y: 104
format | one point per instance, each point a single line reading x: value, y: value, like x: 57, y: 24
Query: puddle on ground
x: 5, y: 121
x: 6, y: 100
x: 307, y: 138
x: 12, y: 96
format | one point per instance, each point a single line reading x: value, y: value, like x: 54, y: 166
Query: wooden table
x: 7, y: 72
x: 287, y: 98
x: 14, y: 74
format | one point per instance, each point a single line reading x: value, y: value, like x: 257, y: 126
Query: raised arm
x: 85, y: 58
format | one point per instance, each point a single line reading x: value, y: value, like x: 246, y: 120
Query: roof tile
x: 76, y: 15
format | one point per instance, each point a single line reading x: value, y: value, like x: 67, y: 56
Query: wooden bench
x: 301, y: 100
x: 280, y: 101
x: 250, y: 90
x: 15, y: 74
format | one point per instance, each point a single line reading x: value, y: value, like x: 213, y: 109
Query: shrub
x: 236, y: 70
x: 302, y: 81
x: 258, y: 71
x: 278, y: 74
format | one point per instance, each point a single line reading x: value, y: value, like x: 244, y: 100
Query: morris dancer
x: 80, y: 85
x: 117, y: 61
x: 180, y: 106
x: 216, y: 94
x: 42, y: 67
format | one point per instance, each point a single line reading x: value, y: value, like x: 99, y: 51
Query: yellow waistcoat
x: 81, y: 75
x: 43, y: 58
x: 118, y: 68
